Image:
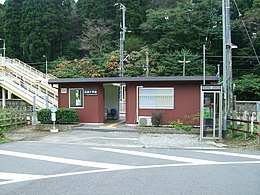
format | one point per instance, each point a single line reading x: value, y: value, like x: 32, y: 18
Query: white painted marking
x: 64, y: 160
x: 231, y: 154
x: 130, y: 168
x: 108, y: 138
x: 18, y: 176
x: 157, y: 156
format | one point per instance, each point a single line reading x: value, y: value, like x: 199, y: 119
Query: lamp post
x: 46, y: 65
x: 3, y: 46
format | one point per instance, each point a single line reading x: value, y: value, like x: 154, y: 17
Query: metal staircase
x: 27, y: 83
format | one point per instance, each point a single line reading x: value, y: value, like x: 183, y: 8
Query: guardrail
x: 248, y: 125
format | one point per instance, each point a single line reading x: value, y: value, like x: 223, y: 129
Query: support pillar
x: 3, y: 98
x: 9, y: 95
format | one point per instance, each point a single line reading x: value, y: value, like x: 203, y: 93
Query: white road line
x: 230, y: 154
x: 157, y: 156
x: 64, y: 160
x: 18, y: 176
x: 129, y: 168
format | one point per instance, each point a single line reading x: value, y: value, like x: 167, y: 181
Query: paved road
x: 56, y: 168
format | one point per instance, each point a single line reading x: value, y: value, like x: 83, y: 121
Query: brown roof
x: 132, y: 79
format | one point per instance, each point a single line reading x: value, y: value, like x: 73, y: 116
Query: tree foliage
x: 86, y: 34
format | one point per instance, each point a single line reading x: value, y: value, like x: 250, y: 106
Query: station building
x: 98, y: 99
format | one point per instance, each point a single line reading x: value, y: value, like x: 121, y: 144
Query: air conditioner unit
x: 145, y: 121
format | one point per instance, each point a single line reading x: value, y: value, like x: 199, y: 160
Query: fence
x: 14, y: 116
x: 245, y: 123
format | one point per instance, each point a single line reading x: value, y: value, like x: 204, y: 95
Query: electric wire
x: 244, y: 25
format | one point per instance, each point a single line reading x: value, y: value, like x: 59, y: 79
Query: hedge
x: 63, y: 116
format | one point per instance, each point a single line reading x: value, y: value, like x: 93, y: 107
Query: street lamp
x: 3, y: 46
x: 46, y: 65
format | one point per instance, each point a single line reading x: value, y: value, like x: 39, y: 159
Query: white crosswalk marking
x: 9, y: 178
x: 158, y: 156
x: 64, y: 160
x: 230, y: 154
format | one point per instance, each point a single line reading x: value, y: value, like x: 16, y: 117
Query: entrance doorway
x: 211, y: 112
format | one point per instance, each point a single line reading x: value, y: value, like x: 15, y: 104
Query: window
x: 76, y: 98
x: 156, y: 98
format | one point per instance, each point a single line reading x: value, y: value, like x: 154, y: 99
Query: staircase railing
x: 27, y: 90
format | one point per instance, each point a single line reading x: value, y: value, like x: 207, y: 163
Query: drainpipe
x: 137, y: 103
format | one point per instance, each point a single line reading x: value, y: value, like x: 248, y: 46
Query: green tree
x: 45, y: 27
x: 12, y: 28
x: 248, y: 87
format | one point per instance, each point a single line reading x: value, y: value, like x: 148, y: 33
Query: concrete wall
x: 250, y: 106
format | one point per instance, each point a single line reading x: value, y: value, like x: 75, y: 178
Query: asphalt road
x: 55, y: 168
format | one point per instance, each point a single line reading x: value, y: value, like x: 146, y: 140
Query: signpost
x: 53, y: 118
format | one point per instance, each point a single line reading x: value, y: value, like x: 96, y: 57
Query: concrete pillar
x: 3, y: 98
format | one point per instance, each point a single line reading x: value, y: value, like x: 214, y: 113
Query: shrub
x: 179, y: 125
x: 66, y: 116
x: 44, y: 116
x: 63, y: 116
x: 157, y: 118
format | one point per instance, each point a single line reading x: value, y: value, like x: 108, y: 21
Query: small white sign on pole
x: 53, y: 118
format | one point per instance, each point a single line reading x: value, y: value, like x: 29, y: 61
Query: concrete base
x: 54, y: 130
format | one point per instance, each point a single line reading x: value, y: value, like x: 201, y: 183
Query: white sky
x: 2, y: 1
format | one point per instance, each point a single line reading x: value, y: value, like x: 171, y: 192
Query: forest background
x: 81, y: 38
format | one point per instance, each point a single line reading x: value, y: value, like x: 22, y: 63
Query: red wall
x: 186, y: 101
x: 93, y: 111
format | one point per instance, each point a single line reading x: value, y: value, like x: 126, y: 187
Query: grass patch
x: 4, y: 140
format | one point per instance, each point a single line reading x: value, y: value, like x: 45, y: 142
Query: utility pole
x: 227, y: 64
x: 46, y: 65
x: 224, y: 67
x: 204, y: 64
x: 147, y: 62
x: 184, y: 63
x: 122, y: 38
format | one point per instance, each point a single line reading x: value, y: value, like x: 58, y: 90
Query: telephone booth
x: 211, y: 112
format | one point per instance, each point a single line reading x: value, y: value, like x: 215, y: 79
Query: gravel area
x: 174, y: 141
x: 127, y: 139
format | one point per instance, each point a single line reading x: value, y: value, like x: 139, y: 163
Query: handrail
x: 28, y: 89
x: 30, y: 73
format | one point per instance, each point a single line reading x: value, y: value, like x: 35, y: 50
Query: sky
x: 2, y: 1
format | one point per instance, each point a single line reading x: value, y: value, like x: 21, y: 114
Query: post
x: 204, y: 64
x: 246, y: 125
x: 3, y: 98
x: 46, y: 101
x: 234, y: 123
x: 121, y: 54
x: 253, y: 117
x: 147, y: 62
x: 258, y: 119
x: 218, y: 72
x: 34, y: 111
x: 184, y: 63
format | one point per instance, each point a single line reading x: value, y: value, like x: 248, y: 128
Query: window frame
x: 169, y: 107
x: 80, y: 107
